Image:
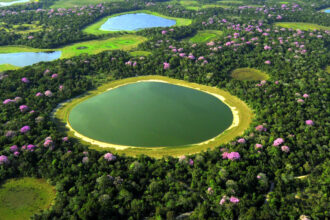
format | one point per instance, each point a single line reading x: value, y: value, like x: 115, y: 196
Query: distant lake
x: 28, y: 58
x: 133, y: 22
x: 327, y: 11
x: 3, y: 4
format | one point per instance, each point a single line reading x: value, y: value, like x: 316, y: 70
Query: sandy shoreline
x: 235, y: 122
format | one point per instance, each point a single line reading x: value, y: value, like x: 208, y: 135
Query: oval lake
x: 151, y: 114
x: 133, y: 22
x: 28, y: 58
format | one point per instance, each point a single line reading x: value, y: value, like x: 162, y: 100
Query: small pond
x: 3, y: 4
x: 133, y: 22
x: 151, y: 114
x: 28, y: 58
x: 327, y: 11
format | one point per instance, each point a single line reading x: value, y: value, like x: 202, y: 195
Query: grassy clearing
x: 244, y: 114
x: 205, y: 36
x: 17, y: 49
x: 124, y: 42
x: 249, y: 74
x: 21, y: 198
x: 301, y: 26
x: 140, y: 53
x: 327, y: 69
x: 4, y: 67
x: 73, y: 3
x: 95, y: 28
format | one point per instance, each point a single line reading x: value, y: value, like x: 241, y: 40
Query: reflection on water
x: 133, y: 22
x: 28, y: 58
x: 3, y: 4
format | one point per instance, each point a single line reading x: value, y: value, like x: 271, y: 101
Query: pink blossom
x: 10, y: 134
x: 267, y: 62
x: 278, y: 142
x: 210, y: 190
x: 31, y: 147
x: 241, y: 141
x: 225, y: 155
x: 85, y: 160
x: 48, y: 93
x: 233, y: 156
x: 25, y: 129
x: 182, y: 158
x: 55, y: 75
x: 164, y: 32
x: 223, y: 200
x: 191, y: 57
x: 285, y: 149
x: 4, y: 159
x: 260, y: 128
x: 267, y: 47
x: 25, y: 80
x: 23, y: 108
x: 305, y: 95
x: 309, y: 122
x: 191, y: 162
x: 48, y: 142
x: 7, y: 101
x: 258, y: 177
x: 16, y: 153
x: 30, y: 37
x: 61, y: 87
x: 65, y: 139
x: 109, y: 157
x: 258, y: 146
x: 300, y: 101
x: 39, y: 94
x: 234, y: 200
x: 13, y: 148
x: 166, y: 65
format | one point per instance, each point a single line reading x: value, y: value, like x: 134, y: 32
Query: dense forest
x: 261, y: 179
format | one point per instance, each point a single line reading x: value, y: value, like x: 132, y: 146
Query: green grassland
x: 21, y: 198
x: 205, y: 36
x: 95, y: 28
x: 124, y: 42
x: 301, y: 26
x: 4, y: 67
x: 73, y: 3
x: 140, y: 53
x: 249, y: 74
x: 195, y: 5
x: 245, y: 116
x: 21, y: 28
x: 327, y: 69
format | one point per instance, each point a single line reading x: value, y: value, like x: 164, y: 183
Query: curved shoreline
x: 146, y: 150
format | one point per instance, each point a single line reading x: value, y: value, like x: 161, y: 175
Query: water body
x: 133, y: 22
x: 151, y: 114
x: 3, y: 4
x: 28, y: 58
x: 327, y: 11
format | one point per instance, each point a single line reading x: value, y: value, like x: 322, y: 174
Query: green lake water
x: 151, y: 114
